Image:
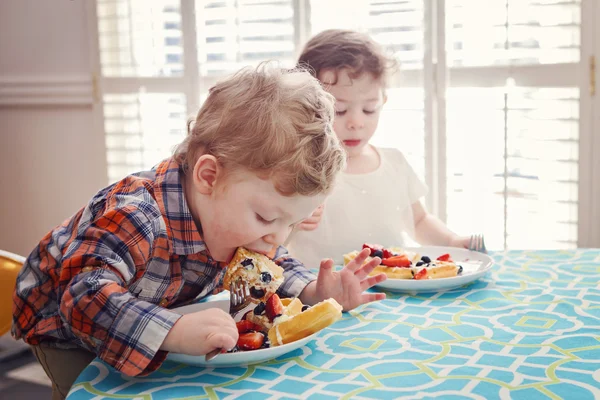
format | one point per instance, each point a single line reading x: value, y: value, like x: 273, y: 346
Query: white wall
x: 52, y: 160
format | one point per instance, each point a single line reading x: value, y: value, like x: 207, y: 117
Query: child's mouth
x: 351, y: 143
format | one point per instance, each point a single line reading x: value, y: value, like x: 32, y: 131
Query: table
x: 529, y: 330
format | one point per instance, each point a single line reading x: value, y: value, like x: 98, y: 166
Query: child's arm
x: 102, y: 263
x: 430, y: 230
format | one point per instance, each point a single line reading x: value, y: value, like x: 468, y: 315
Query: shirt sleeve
x: 103, y: 259
x: 295, y: 275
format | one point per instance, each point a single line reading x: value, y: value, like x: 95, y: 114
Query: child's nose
x: 278, y: 237
x: 355, y: 122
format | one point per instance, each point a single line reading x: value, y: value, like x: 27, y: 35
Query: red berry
x: 250, y: 341
x: 274, y: 307
x: 422, y: 274
x: 244, y: 326
x: 372, y: 247
x: 397, y: 261
x: 444, y: 257
x: 387, y: 253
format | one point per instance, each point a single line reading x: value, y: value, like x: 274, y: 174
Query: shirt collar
x: 181, y: 228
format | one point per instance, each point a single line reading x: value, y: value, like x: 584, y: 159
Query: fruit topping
x: 397, y: 261
x: 260, y: 308
x: 422, y: 274
x: 250, y: 341
x: 257, y: 293
x: 244, y: 326
x: 265, y: 277
x: 426, y: 259
x: 444, y: 257
x: 274, y: 307
x: 247, y: 263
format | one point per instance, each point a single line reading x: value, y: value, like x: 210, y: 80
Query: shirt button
x: 87, y: 269
x: 163, y: 303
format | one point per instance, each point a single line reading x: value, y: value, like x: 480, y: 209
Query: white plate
x: 241, y: 358
x: 474, y: 264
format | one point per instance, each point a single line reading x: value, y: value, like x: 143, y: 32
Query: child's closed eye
x: 265, y: 221
x: 369, y: 111
x: 340, y: 113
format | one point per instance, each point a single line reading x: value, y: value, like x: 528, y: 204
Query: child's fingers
x: 355, y: 264
x: 325, y: 270
x: 309, y: 226
x: 370, y: 297
x: 366, y: 269
x: 222, y: 340
x: 371, y: 281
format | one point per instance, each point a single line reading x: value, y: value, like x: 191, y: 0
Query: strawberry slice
x: 373, y: 247
x: 444, y: 257
x: 387, y: 253
x: 250, y: 341
x: 422, y: 274
x: 397, y: 261
x: 274, y: 307
x: 244, y: 326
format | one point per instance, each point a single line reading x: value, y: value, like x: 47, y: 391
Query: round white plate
x: 241, y: 358
x: 474, y: 264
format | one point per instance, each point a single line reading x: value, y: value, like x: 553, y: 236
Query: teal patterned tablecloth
x: 529, y: 330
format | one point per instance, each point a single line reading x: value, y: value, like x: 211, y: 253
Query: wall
x: 52, y: 160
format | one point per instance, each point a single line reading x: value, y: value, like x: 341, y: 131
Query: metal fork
x: 476, y: 243
x: 239, y: 298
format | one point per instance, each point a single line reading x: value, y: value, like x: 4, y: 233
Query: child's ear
x: 206, y: 171
x: 384, y: 98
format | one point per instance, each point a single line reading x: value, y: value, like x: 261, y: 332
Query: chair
x: 10, y: 265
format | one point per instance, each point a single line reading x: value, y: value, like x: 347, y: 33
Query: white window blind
x: 513, y: 120
x: 233, y: 34
x: 500, y: 150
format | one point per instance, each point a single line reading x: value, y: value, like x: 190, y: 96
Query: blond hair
x: 274, y: 122
x: 338, y: 49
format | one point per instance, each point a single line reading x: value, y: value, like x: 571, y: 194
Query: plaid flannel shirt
x: 105, y: 278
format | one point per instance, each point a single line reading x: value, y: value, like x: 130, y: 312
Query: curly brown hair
x: 338, y: 49
x: 275, y: 122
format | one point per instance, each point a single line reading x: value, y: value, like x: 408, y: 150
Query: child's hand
x: 460, y: 241
x: 201, y: 332
x: 348, y: 285
x: 311, y: 223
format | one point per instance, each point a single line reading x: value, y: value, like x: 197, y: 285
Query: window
x: 501, y: 76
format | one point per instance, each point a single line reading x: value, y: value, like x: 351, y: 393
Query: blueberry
x: 426, y: 259
x: 305, y: 307
x: 377, y: 253
x: 266, y: 343
x: 234, y: 350
x: 257, y: 293
x: 265, y: 277
x: 420, y: 263
x: 460, y: 270
x: 247, y: 263
x: 259, y: 309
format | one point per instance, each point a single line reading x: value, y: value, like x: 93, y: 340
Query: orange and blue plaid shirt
x: 105, y: 278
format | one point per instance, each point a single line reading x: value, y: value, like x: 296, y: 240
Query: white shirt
x: 375, y: 207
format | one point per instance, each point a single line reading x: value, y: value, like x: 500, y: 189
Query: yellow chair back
x: 10, y: 265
